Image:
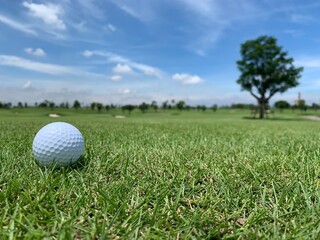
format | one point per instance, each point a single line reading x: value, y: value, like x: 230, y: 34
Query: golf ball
x: 58, y: 144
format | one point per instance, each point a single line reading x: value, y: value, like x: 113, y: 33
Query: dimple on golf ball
x: 58, y: 144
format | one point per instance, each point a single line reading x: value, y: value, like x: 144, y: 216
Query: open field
x: 166, y: 175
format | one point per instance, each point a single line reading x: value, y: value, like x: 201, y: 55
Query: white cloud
x: 36, y: 52
x: 27, y: 85
x: 297, y: 18
x: 111, y: 27
x: 17, y: 25
x: 49, y: 13
x: 309, y: 62
x: 114, y: 57
x: 142, y: 10
x: 206, y: 8
x: 120, y: 60
x: 187, y: 79
x: 14, y: 61
x: 116, y: 78
x: 124, y: 91
x: 87, y: 53
x: 147, y: 70
x: 91, y: 8
x: 122, y: 68
x: 294, y: 32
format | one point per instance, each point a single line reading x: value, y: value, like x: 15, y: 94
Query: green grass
x: 185, y: 175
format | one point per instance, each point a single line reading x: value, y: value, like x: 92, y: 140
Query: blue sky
x: 129, y: 51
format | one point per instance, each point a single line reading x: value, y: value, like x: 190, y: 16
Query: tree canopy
x: 281, y: 104
x: 266, y: 70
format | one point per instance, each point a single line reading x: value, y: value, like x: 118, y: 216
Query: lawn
x: 165, y: 175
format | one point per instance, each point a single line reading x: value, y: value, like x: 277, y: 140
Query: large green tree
x: 266, y: 70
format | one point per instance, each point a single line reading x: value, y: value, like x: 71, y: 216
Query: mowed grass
x: 164, y: 176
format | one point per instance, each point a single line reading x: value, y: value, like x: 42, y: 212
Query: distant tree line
x: 280, y: 105
x: 5, y: 105
x: 298, y: 105
x: 97, y: 106
x: 166, y: 105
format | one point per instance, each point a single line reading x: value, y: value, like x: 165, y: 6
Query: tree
x: 165, y: 104
x: 315, y: 107
x: 214, y: 107
x: 266, y: 70
x: 8, y: 105
x: 93, y: 106
x: 20, y: 105
x: 201, y: 107
x: 282, y: 105
x: 143, y: 107
x: 302, y: 105
x: 128, y: 107
x: 76, y: 104
x: 51, y: 105
x: 181, y: 105
x: 154, y: 105
x: 99, y: 106
x: 44, y: 104
x: 64, y: 105
x: 172, y: 103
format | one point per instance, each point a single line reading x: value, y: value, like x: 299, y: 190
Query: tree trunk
x: 262, y: 106
x: 262, y: 110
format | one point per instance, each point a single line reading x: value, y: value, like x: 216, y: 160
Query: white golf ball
x: 58, y: 144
